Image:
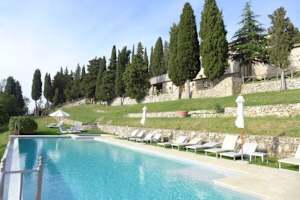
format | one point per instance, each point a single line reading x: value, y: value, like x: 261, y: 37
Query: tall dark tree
x: 146, y: 60
x: 158, y: 65
x: 136, y: 76
x: 123, y: 61
x: 151, y: 60
x: 102, y: 70
x: 21, y: 107
x: 166, y: 54
x: 188, y: 57
x: 105, y: 93
x: 249, y: 42
x: 58, y: 87
x: 91, y: 78
x: 113, y: 60
x: 10, y: 86
x: 281, y: 41
x: 174, y: 72
x: 48, y: 90
x: 214, y: 46
x: 36, y: 90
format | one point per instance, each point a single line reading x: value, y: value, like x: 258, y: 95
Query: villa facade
x: 163, y: 84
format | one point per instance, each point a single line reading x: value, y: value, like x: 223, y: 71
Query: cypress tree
x: 158, y: 64
x: 123, y: 61
x: 214, y: 46
x: 113, y: 60
x: 146, y: 60
x: 105, y: 91
x: 10, y: 87
x: 36, y: 91
x: 166, y: 55
x: 188, y: 58
x: 58, y: 87
x: 249, y: 43
x: 48, y: 90
x: 91, y: 78
x: 136, y: 76
x: 19, y: 99
x: 102, y: 69
x: 151, y: 60
x: 281, y: 41
x: 175, y: 72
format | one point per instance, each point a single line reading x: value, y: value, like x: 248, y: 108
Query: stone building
x: 163, y: 85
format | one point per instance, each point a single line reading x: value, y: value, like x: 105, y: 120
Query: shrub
x: 219, y: 108
x: 22, y: 125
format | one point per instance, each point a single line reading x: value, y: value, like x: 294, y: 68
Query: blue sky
x: 48, y: 34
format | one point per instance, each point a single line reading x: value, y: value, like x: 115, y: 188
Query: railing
x: 38, y: 170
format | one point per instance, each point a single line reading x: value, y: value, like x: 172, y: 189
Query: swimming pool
x: 85, y: 170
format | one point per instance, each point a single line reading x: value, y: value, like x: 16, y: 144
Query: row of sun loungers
x: 76, y: 128
x: 228, y: 148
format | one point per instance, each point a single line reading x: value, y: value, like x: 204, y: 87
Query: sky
x: 49, y: 34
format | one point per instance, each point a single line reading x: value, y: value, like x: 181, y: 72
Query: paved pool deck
x: 262, y: 182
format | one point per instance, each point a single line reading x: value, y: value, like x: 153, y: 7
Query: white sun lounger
x: 133, y: 134
x: 247, y: 149
x: 138, y: 136
x: 207, y: 145
x: 146, y: 138
x: 62, y: 130
x: 179, y: 140
x: 78, y: 127
x: 293, y: 160
x: 228, y: 144
x: 156, y: 138
x: 194, y: 141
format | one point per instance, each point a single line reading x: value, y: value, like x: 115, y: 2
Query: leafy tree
x: 3, y: 115
x: 48, y: 90
x: 10, y: 86
x: 21, y: 107
x: 91, y: 77
x: 188, y: 58
x: 175, y: 72
x: 249, y: 42
x: 166, y: 54
x: 8, y: 104
x: 158, y: 65
x: 136, y: 76
x: 151, y: 60
x: 297, y: 36
x: 102, y: 69
x: 281, y: 41
x: 105, y: 92
x: 59, y: 88
x: 214, y: 46
x: 146, y: 60
x: 36, y: 91
x: 123, y: 61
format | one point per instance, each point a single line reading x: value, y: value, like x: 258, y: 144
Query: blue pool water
x: 88, y: 170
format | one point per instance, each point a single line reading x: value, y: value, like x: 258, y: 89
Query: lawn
x: 288, y: 126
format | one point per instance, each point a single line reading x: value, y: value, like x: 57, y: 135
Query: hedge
x: 22, y: 125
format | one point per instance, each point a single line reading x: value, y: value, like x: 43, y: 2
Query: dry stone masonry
x: 275, y: 146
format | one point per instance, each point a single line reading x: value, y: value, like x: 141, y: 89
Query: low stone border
x: 275, y: 146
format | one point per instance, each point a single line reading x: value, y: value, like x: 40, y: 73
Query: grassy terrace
x: 289, y: 126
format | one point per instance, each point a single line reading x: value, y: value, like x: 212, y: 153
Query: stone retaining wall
x: 275, y: 146
x: 266, y: 86
x: 227, y: 87
x: 280, y: 110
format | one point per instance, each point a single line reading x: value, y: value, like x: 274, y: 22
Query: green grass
x: 288, y: 126
x: 3, y: 139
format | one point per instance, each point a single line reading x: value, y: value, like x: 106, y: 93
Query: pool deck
x: 262, y: 182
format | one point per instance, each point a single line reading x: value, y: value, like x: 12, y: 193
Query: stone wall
x: 265, y: 86
x: 275, y: 146
x: 280, y: 110
x: 195, y: 113
x: 227, y: 87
